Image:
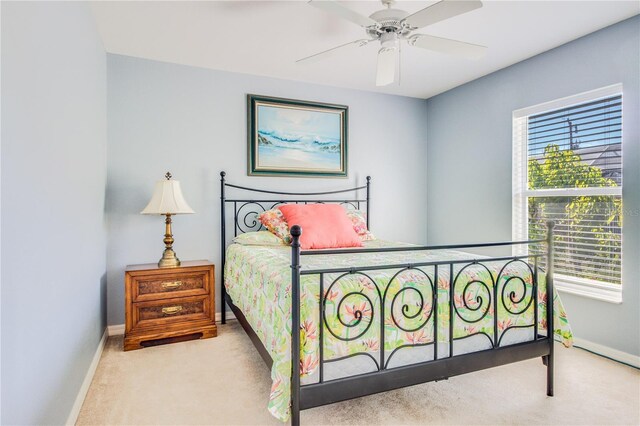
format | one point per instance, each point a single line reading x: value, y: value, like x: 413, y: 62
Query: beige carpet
x: 224, y: 381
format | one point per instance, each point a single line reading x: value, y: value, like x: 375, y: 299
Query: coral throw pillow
x: 323, y: 225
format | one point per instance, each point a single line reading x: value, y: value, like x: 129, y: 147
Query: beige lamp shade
x: 167, y: 199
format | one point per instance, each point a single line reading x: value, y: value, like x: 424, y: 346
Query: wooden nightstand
x: 168, y: 305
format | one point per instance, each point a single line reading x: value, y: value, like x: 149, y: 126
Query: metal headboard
x: 246, y: 210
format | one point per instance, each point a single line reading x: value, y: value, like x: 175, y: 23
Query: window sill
x: 587, y: 288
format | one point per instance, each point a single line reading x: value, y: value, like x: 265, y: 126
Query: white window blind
x: 567, y: 167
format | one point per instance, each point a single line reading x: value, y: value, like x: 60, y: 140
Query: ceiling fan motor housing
x: 389, y: 21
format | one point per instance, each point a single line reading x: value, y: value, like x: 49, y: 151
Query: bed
x: 383, y: 316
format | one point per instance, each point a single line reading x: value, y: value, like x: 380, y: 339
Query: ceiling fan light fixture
x: 387, y: 57
x: 389, y: 40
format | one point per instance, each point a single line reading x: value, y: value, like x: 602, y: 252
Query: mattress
x: 258, y: 280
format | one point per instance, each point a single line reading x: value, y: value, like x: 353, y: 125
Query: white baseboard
x: 118, y: 329
x: 82, y: 393
x: 608, y: 352
x: 115, y: 330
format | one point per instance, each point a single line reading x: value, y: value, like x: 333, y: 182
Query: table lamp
x: 167, y: 200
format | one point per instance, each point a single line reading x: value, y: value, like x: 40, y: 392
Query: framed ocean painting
x: 296, y: 138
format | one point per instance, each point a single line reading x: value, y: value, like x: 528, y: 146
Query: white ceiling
x: 266, y: 37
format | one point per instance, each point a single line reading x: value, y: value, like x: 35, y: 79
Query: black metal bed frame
x: 384, y: 379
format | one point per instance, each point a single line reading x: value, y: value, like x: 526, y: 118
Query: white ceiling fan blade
x: 343, y: 12
x: 319, y: 55
x: 399, y: 64
x: 445, y: 45
x: 386, y: 66
x: 440, y: 11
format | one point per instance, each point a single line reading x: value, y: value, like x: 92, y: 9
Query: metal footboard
x: 439, y: 368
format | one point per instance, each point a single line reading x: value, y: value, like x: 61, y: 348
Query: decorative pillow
x: 259, y: 238
x: 275, y: 223
x: 323, y: 225
x: 359, y: 220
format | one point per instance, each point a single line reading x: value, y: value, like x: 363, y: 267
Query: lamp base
x: 169, y: 259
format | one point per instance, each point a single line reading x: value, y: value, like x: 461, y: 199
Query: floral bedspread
x: 258, y: 279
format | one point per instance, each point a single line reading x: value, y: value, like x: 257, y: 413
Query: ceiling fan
x: 391, y: 27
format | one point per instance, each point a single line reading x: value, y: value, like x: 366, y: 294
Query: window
x: 567, y: 167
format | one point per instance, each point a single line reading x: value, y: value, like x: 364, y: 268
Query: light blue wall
x: 192, y: 122
x: 469, y: 160
x: 53, y: 224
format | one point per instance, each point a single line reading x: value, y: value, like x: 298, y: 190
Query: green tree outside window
x: 588, y: 242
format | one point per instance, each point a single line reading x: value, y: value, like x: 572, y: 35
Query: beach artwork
x: 297, y: 138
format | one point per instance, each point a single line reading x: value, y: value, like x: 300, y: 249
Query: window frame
x: 520, y: 192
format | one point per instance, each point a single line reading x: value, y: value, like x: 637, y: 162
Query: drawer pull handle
x: 172, y: 284
x: 171, y: 310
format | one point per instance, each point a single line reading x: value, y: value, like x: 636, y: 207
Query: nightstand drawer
x: 162, y: 312
x: 154, y: 287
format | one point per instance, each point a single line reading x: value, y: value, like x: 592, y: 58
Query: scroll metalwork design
x: 246, y: 211
x: 477, y: 304
x: 359, y: 313
x: 350, y: 205
x: 247, y: 221
x: 406, y: 308
x: 513, y: 298
x: 419, y: 310
x: 517, y: 296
